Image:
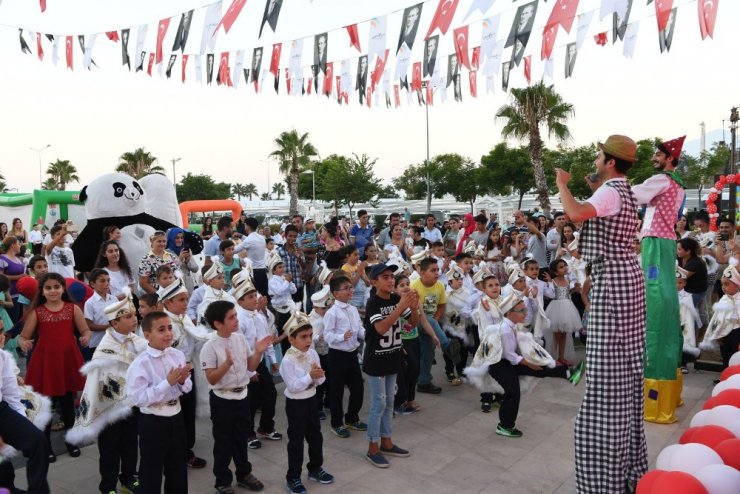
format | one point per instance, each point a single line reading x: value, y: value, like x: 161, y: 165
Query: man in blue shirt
x: 223, y: 232
x: 361, y: 234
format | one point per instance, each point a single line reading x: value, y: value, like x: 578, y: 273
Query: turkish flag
x: 396, y: 95
x: 275, y: 60
x: 563, y: 13
x: 443, y: 16
x: 151, y: 64
x: 184, y: 64
x: 473, y: 75
x: 430, y: 95
x: 69, y: 45
x: 287, y: 80
x: 39, y: 48
x: 43, y: 5
x: 528, y: 68
x: 416, y: 77
x: 475, y: 61
x: 369, y: 98
x: 354, y: 37
x: 223, y: 68
x: 548, y: 40
x: 663, y: 12
x: 707, y: 16
x: 161, y: 31
x: 310, y: 84
x: 230, y: 16
x: 113, y: 36
x: 461, y: 46
x: 377, y: 72
x: 601, y: 39
x: 328, y: 78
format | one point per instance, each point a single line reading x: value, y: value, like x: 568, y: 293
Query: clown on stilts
x: 664, y: 197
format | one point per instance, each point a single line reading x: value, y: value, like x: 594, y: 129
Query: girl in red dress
x: 54, y: 369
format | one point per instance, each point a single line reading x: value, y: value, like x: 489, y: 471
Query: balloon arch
x: 715, y: 193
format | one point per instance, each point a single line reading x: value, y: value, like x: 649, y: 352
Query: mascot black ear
x: 83, y: 194
x: 138, y: 187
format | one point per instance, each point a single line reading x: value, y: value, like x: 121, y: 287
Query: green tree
x: 293, y: 152
x: 265, y: 196
x: 350, y: 181
x: 238, y: 191
x: 278, y: 189
x: 63, y: 172
x: 531, y: 108
x: 642, y: 169
x: 3, y: 184
x: 413, y: 180
x: 579, y: 162
x: 50, y: 184
x: 138, y: 164
x: 250, y: 190
x: 702, y: 171
x: 508, y: 170
x: 199, y: 187
x: 462, y: 178
x: 387, y: 192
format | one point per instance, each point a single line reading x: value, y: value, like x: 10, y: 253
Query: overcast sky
x: 92, y: 117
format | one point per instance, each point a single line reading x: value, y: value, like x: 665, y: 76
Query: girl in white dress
x: 562, y: 313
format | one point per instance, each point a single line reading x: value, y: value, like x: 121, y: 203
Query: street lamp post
x: 734, y: 117
x: 174, y: 174
x: 39, y: 151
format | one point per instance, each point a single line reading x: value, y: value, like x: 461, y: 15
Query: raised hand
x: 229, y: 358
x: 264, y: 343
x: 316, y: 371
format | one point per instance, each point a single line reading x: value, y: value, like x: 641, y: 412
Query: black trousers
x: 449, y: 366
x: 507, y: 376
x: 729, y: 346
x: 187, y: 403
x: 322, y: 390
x: 345, y: 370
x: 230, y: 420
x: 19, y: 432
x: 260, y: 281
x: 303, y: 424
x: 406, y: 379
x: 162, y: 449
x: 262, y: 395
x: 117, y: 445
x: 280, y: 319
x: 66, y: 405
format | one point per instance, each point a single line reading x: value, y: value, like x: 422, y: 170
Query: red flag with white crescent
x: 396, y: 95
x: 430, y: 95
x: 443, y: 16
x: 113, y: 36
x: 601, y: 39
x: 161, y: 31
x: 340, y: 94
x: 369, y: 98
x: 549, y: 35
x: 528, y: 68
x: 707, y: 17
x: 184, y: 64
x: 39, y: 48
x: 563, y: 13
x: 310, y: 85
x: 69, y: 45
x: 151, y: 64
x: 275, y: 60
x: 223, y: 68
x: 287, y: 80
x: 354, y: 37
x: 461, y: 46
x: 329, y: 78
x: 416, y: 77
x: 475, y: 61
x: 663, y: 12
x: 473, y: 76
x: 377, y: 72
x: 43, y: 5
x: 230, y: 16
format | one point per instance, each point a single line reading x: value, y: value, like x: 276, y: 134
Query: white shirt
x: 553, y: 239
x: 147, y: 386
x: 211, y: 295
x: 68, y: 239
x: 61, y: 260
x: 95, y: 311
x: 253, y: 326
x: 281, y: 290
x: 195, y: 299
x: 120, y: 282
x: 35, y: 237
x: 509, y: 343
x: 184, y: 341
x: 299, y: 384
x: 488, y: 317
x: 233, y: 384
x: 606, y: 200
x: 432, y: 235
x: 9, y: 392
x: 338, y: 319
x: 254, y: 244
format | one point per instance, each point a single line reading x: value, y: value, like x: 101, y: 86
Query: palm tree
x: 294, y: 153
x: 279, y: 189
x: 265, y: 196
x: 138, y: 164
x: 3, y: 184
x: 238, y: 191
x: 530, y: 108
x: 250, y: 190
x: 50, y: 184
x: 63, y: 172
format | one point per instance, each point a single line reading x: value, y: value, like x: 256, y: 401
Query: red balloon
x: 711, y: 197
x: 708, y: 435
x: 678, y: 483
x: 719, y: 185
x: 729, y: 451
x: 711, y: 208
x: 729, y: 372
x: 646, y: 483
x: 727, y: 397
x: 731, y: 179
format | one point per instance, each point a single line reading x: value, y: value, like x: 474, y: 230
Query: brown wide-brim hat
x: 621, y: 147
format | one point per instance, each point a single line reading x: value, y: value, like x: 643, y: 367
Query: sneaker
x: 295, y: 486
x: 321, y: 476
x: 405, y: 410
x: 272, y: 436
x: 358, y: 426
x: 322, y: 415
x: 377, y: 460
x: 254, y: 443
x: 450, y: 376
x: 224, y: 489
x: 576, y: 373
x: 485, y: 407
x: 456, y: 382
x: 452, y: 351
x: 508, y: 432
x: 395, y: 451
x: 195, y: 462
x: 133, y: 487
x: 428, y: 388
x: 250, y: 482
x: 684, y: 369
x: 340, y: 432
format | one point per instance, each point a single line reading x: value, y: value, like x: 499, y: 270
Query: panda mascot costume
x: 137, y: 207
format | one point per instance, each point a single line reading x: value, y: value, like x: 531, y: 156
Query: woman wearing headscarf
x: 187, y: 263
x: 467, y: 229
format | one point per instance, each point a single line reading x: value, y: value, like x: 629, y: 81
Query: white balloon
x: 700, y: 418
x: 723, y: 415
x: 692, y: 457
x: 663, y: 461
x: 732, y: 383
x: 735, y: 359
x: 719, y: 479
x: 734, y: 428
